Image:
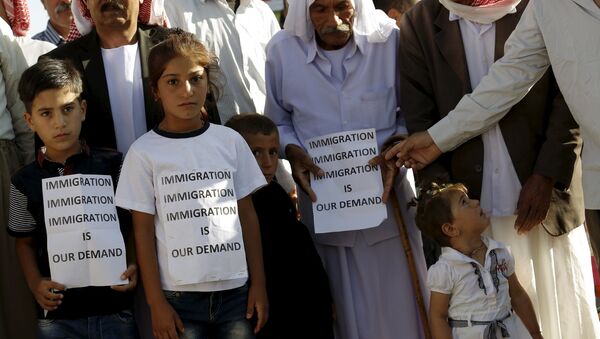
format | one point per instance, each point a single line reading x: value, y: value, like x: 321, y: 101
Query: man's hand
x: 257, y: 300
x: 417, y: 151
x: 534, y: 202
x: 389, y: 170
x: 45, y: 296
x: 302, y: 165
x: 165, y: 321
x: 131, y: 274
x: 388, y: 173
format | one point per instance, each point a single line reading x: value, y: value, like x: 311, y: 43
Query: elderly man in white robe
x: 332, y: 69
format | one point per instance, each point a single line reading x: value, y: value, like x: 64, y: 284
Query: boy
x: 300, y: 304
x: 51, y: 92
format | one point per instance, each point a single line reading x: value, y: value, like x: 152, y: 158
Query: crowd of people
x: 143, y: 194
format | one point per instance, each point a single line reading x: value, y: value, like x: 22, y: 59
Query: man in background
x: 57, y: 29
x: 237, y: 32
x: 17, y: 312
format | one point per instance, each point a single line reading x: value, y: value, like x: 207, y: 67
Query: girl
x: 188, y: 185
x: 473, y: 285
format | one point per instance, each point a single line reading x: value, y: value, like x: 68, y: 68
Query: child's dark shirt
x: 300, y: 304
x: 27, y: 220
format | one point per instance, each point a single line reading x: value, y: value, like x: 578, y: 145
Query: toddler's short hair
x: 47, y: 74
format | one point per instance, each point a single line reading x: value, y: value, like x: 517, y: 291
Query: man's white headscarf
x: 368, y: 21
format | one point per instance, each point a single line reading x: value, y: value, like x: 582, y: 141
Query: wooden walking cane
x: 414, y: 278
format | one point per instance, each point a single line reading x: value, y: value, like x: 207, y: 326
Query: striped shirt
x: 50, y: 35
x: 20, y: 219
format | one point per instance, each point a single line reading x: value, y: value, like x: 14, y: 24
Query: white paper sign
x: 200, y: 216
x: 85, y: 244
x: 349, y: 195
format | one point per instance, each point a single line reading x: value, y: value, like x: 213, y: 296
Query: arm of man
x: 508, y: 81
x: 12, y: 65
x: 257, y: 295
x: 281, y: 114
x: 554, y: 165
x: 419, y: 105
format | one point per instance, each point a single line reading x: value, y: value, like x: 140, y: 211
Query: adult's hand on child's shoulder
x: 131, y: 274
x: 45, y: 295
x: 165, y: 321
x: 257, y: 300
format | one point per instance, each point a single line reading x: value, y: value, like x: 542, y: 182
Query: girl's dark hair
x: 179, y: 43
x: 48, y: 74
x: 434, y: 210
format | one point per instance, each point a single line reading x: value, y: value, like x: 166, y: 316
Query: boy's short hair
x: 47, y: 74
x: 400, y: 5
x: 252, y: 123
x: 434, y: 210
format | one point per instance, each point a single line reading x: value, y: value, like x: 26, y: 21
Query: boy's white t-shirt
x: 157, y: 153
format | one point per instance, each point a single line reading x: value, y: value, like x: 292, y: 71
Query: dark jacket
x: 77, y: 302
x: 540, y: 133
x: 85, y: 53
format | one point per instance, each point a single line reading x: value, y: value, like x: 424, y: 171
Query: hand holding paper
x: 131, y: 275
x: 350, y: 190
x: 302, y: 165
x: 389, y: 170
x: 45, y: 296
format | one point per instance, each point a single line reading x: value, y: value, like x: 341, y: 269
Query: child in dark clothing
x: 300, y: 304
x: 51, y: 91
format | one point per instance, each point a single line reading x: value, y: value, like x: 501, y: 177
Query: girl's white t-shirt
x: 157, y: 153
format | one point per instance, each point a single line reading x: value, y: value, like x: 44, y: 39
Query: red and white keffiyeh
x: 481, y: 3
x: 152, y: 12
x: 17, y: 12
x: 482, y: 11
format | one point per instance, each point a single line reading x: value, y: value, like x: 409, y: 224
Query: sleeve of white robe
x: 508, y: 81
x: 12, y: 65
x: 275, y: 107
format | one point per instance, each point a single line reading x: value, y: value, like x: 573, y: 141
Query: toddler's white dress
x: 477, y: 293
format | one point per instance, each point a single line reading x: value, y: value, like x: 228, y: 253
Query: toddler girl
x: 473, y: 286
